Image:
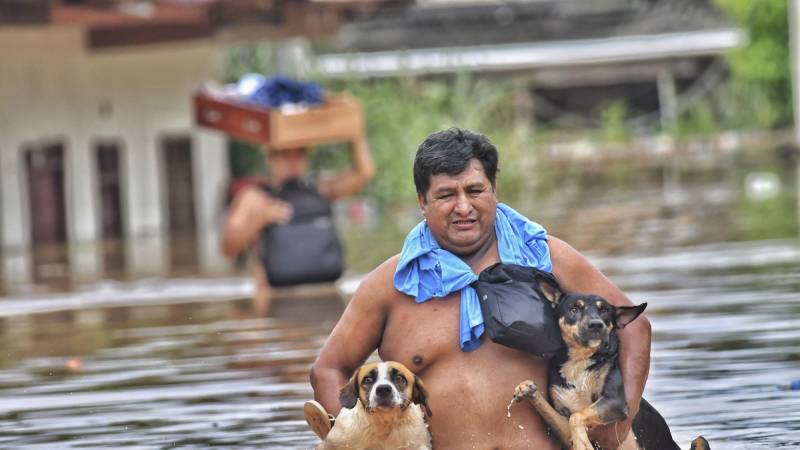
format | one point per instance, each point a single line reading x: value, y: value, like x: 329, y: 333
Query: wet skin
x: 468, y: 391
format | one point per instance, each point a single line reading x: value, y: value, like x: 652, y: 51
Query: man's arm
x: 576, y: 274
x: 357, y: 334
x: 352, y: 181
x: 251, y: 210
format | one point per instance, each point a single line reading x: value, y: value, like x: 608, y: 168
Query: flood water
x: 188, y: 371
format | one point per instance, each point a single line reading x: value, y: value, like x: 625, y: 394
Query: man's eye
x: 573, y: 310
x: 444, y: 196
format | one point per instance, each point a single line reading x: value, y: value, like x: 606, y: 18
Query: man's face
x: 460, y: 209
x: 288, y: 164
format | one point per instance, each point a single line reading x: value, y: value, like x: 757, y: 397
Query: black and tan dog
x: 383, y: 409
x: 586, y: 385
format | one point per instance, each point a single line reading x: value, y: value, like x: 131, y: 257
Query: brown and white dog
x: 383, y: 409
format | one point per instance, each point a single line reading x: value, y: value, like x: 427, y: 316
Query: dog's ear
x: 626, y: 314
x: 420, y: 395
x: 549, y: 289
x: 348, y: 396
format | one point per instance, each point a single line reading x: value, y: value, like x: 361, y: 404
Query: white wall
x: 51, y: 87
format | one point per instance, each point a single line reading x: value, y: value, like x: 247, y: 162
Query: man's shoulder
x: 379, y: 284
x: 561, y: 253
x: 384, y: 273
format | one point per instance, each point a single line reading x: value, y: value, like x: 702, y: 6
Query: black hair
x: 449, y: 152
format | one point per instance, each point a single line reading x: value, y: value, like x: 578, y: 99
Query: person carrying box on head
x: 288, y: 216
x: 270, y: 216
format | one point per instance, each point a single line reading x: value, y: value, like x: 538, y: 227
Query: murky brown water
x: 212, y: 374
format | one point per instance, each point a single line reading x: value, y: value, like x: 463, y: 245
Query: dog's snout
x: 383, y: 390
x: 595, y: 324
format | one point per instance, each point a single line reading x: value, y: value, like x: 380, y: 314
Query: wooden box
x: 340, y: 118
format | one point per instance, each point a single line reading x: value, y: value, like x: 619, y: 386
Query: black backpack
x: 307, y: 249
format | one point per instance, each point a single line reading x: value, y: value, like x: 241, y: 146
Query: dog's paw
x: 580, y: 436
x: 526, y: 389
x: 581, y: 442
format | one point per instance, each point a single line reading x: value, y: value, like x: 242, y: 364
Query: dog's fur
x: 383, y: 409
x: 586, y: 385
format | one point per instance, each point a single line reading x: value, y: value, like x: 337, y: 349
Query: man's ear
x: 420, y: 395
x: 549, y: 289
x: 421, y: 200
x: 626, y: 314
x: 348, y: 396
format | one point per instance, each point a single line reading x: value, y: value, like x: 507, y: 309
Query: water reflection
x: 162, y: 376
x: 166, y: 371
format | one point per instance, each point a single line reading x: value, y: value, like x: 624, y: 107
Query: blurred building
x: 572, y: 56
x: 101, y: 166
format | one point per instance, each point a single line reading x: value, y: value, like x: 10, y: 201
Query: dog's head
x: 384, y: 386
x: 587, y: 320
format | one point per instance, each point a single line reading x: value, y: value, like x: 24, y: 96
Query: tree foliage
x: 759, y: 92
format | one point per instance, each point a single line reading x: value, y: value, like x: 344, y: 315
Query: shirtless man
x: 468, y: 391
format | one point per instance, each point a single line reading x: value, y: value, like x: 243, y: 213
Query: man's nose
x: 463, y: 205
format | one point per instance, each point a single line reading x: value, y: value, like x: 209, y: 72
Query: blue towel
x: 427, y: 271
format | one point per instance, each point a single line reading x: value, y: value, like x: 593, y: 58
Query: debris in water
x: 73, y: 365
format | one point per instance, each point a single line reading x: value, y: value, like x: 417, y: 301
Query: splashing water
x: 511, y: 403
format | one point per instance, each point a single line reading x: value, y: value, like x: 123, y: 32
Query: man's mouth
x: 464, y: 223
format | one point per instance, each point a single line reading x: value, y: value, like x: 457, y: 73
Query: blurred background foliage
x: 757, y: 94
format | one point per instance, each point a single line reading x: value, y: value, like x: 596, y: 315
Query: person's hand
x: 263, y: 209
x: 252, y: 209
x: 271, y: 210
x: 612, y: 435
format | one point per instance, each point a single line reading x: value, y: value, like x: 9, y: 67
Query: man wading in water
x: 414, y: 316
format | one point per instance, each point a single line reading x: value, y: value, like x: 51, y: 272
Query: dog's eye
x: 573, y: 310
x: 400, y: 380
x: 368, y: 379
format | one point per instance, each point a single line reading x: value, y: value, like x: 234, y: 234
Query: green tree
x: 759, y: 91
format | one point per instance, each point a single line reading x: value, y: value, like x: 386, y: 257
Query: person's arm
x: 576, y: 274
x: 357, y: 334
x: 251, y: 210
x: 350, y: 181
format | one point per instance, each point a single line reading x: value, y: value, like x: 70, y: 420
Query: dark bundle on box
x: 279, y: 114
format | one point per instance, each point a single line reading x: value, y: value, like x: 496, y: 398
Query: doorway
x: 47, y: 209
x: 109, y: 186
x: 180, y: 206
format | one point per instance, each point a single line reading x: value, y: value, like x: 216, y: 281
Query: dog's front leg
x: 558, y: 423
x: 602, y: 412
x: 578, y: 430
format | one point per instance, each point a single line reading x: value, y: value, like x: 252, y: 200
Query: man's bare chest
x: 417, y: 334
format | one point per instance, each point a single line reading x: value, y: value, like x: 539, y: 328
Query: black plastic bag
x: 515, y: 312
x: 307, y: 249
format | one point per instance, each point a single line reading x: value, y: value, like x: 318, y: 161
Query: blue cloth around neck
x: 427, y: 271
